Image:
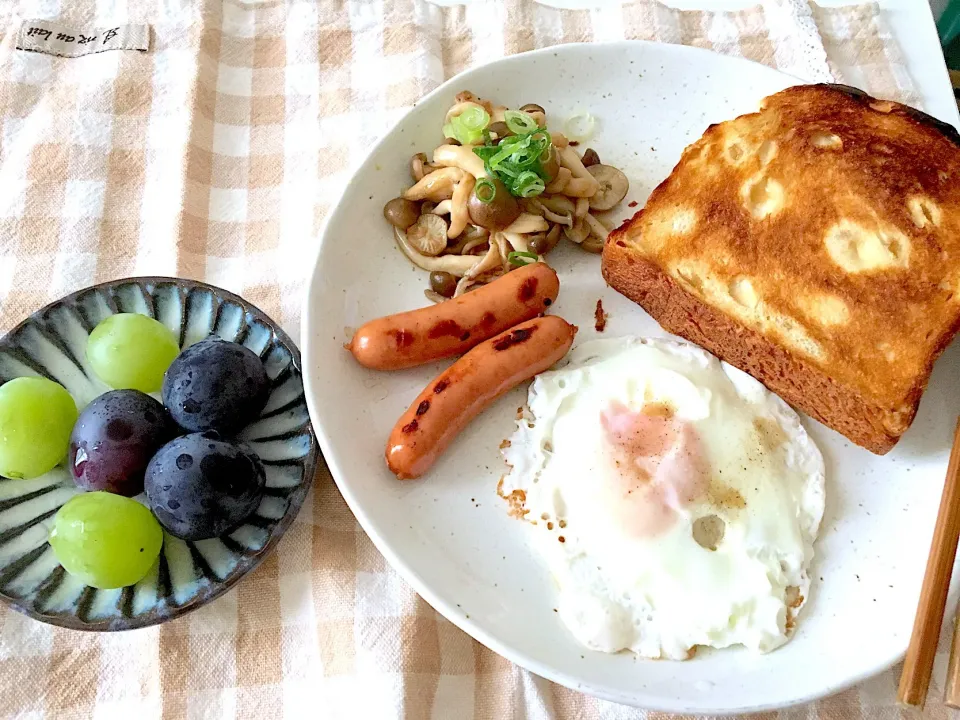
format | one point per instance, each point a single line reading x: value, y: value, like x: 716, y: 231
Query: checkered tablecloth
x: 216, y: 155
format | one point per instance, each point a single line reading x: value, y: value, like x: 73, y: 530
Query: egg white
x: 662, y: 596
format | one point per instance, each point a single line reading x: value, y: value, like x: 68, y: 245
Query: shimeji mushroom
x: 517, y: 241
x: 560, y: 182
x: 597, y: 237
x: 597, y: 228
x: 437, y: 186
x: 582, y: 184
x: 459, y: 214
x: 456, y: 265
x: 550, y: 164
x: 455, y: 156
x: 428, y: 235
x: 401, y: 213
x: 419, y: 167
x: 527, y: 223
x: 578, y: 233
x: 469, y: 239
x: 542, y: 243
x: 491, y: 205
x: 590, y: 158
x: 613, y: 187
x: 491, y: 260
x: 557, y: 209
x: 443, y: 208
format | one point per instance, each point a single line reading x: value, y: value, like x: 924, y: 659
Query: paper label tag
x: 55, y: 39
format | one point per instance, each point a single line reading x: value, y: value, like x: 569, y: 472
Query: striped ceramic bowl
x: 52, y: 343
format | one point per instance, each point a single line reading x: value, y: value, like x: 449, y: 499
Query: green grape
x: 106, y: 540
x: 36, y: 418
x: 131, y: 351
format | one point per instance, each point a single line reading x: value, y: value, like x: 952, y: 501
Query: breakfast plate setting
x: 643, y: 499
x: 634, y: 360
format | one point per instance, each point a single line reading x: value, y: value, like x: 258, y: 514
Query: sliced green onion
x: 509, y: 149
x: 519, y: 122
x: 474, y: 118
x: 485, y: 190
x: 485, y: 152
x: 525, y: 157
x: 468, y: 127
x: 528, y: 184
x: 507, y: 173
x: 517, y: 161
x: 579, y: 127
x: 541, y: 140
x: 520, y: 258
x: 514, y: 141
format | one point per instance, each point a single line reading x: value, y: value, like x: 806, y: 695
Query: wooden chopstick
x: 918, y: 665
x: 951, y: 692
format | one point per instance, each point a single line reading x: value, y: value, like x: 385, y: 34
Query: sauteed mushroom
x: 613, y: 187
x: 443, y: 283
x: 401, y: 213
x: 428, y: 235
x: 437, y: 186
x: 492, y: 206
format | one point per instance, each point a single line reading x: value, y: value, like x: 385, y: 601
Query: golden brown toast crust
x: 837, y: 285
x: 798, y: 382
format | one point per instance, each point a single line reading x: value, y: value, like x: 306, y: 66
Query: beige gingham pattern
x: 216, y: 155
x: 861, y: 51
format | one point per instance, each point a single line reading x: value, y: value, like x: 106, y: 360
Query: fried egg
x: 675, y: 499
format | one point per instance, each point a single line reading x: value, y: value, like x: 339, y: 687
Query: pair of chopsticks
x: 918, y: 665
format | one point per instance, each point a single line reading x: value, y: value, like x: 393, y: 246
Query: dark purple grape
x: 200, y: 486
x: 114, y: 439
x: 216, y: 385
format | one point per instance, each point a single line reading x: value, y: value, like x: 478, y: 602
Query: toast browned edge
x: 789, y: 376
x: 796, y: 380
x: 945, y: 129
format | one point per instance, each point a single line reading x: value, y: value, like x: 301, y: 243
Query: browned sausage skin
x: 448, y: 404
x: 454, y: 326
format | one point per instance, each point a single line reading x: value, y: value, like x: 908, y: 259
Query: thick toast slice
x: 815, y: 245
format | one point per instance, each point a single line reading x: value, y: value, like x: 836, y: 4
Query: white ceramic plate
x: 450, y: 535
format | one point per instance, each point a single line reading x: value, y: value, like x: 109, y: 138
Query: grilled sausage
x: 467, y: 387
x: 454, y: 326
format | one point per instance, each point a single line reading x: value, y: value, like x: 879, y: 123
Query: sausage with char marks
x: 454, y: 326
x: 466, y: 388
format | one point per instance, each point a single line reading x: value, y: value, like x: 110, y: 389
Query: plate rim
x: 397, y: 563
x: 310, y: 464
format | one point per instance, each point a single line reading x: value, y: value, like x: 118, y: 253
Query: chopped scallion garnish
x: 474, y: 119
x: 529, y: 184
x: 579, y: 126
x: 517, y: 161
x: 485, y: 190
x: 468, y: 127
x: 520, y: 258
x: 519, y: 122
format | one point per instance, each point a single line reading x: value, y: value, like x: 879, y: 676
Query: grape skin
x: 201, y: 487
x: 114, y: 439
x: 106, y: 540
x: 131, y: 351
x: 36, y: 417
x: 110, y: 541
x: 216, y: 385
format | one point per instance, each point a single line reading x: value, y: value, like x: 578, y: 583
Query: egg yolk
x: 658, y: 468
